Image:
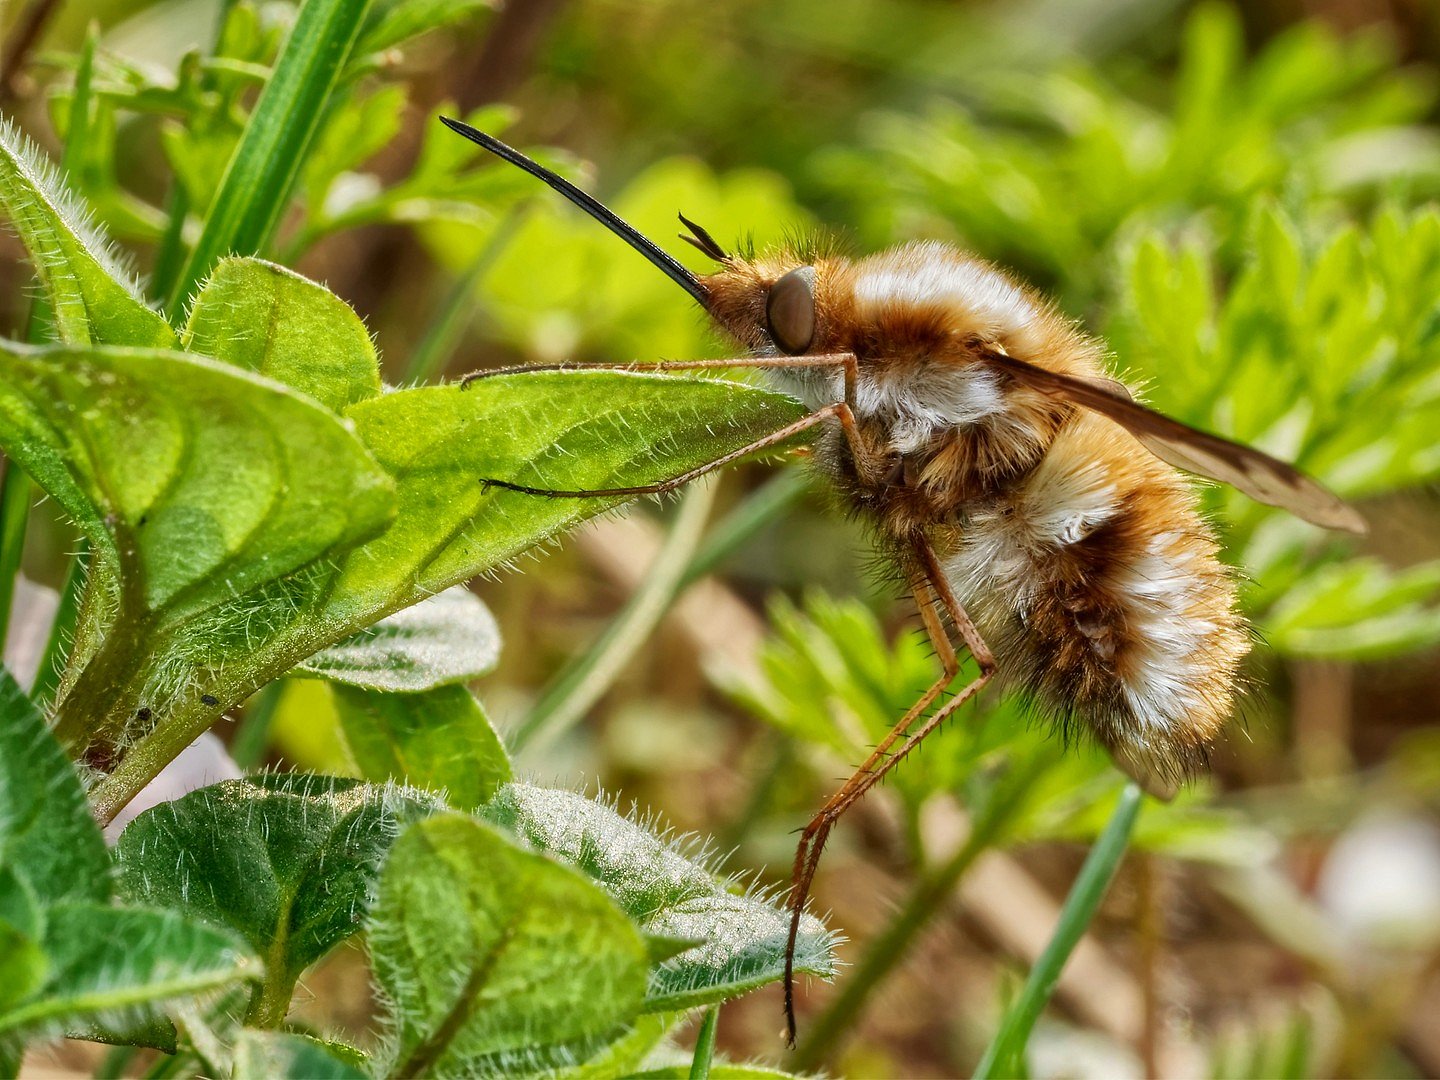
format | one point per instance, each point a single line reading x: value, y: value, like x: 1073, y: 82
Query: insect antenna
x: 592, y: 206
x: 702, y: 239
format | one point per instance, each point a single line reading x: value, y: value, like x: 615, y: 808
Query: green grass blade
x: 257, y: 183
x: 448, y: 326
x: 1004, y: 1053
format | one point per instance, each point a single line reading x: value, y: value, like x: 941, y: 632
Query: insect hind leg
x: 933, y: 596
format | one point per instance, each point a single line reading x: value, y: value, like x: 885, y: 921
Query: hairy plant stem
x: 270, y: 1001
x: 705, y: 1045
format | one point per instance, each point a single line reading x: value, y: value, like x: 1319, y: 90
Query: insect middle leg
x: 933, y: 596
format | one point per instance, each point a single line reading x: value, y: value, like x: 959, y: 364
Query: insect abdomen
x: 1097, y: 584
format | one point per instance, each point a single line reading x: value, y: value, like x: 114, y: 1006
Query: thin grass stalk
x: 267, y: 160
x: 1005, y: 1054
x: 444, y: 331
x: 583, y: 683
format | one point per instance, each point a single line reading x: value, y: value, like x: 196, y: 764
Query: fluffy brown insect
x: 1033, y: 506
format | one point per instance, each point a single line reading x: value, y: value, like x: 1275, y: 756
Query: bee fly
x: 1029, y: 501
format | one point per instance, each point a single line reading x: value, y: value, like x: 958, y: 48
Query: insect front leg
x: 934, y: 598
x: 841, y: 411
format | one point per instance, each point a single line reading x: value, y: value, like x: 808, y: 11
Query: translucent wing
x: 1258, y: 475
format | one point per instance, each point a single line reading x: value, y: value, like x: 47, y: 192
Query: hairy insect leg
x: 932, y: 594
x: 843, y: 411
x: 820, y: 360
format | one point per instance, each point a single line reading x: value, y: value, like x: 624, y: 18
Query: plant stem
x: 1003, y: 1057
x: 567, y: 699
x: 62, y: 629
x: 705, y: 1045
x: 270, y: 1000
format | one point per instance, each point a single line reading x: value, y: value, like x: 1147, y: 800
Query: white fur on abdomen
x: 1005, y: 563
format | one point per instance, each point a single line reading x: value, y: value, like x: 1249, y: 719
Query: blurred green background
x: 1239, y: 198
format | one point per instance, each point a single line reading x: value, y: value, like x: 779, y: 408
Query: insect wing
x: 1257, y: 474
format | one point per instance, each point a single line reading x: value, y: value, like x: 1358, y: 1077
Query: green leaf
x: 196, y: 483
x: 197, y: 467
x: 625, y: 1055
x: 288, y: 1053
x: 256, y: 188
x: 496, y: 960
x: 439, y: 443
x: 287, y: 861
x: 93, y: 297
x: 271, y: 320
x: 668, y: 895
x: 575, y: 430
x: 24, y: 966
x: 440, y: 740
x: 48, y: 840
x: 118, y: 967
x: 449, y: 638
x: 400, y: 20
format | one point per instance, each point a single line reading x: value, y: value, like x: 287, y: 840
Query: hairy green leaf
x: 449, y: 638
x: 742, y: 936
x: 92, y: 296
x: 289, y: 1053
x: 117, y: 967
x: 51, y: 849
x: 261, y: 316
x: 287, y: 861
x: 496, y: 960
x: 440, y: 740
x: 575, y: 430
x: 196, y: 484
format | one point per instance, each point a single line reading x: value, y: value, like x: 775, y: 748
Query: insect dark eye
x: 790, y: 311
